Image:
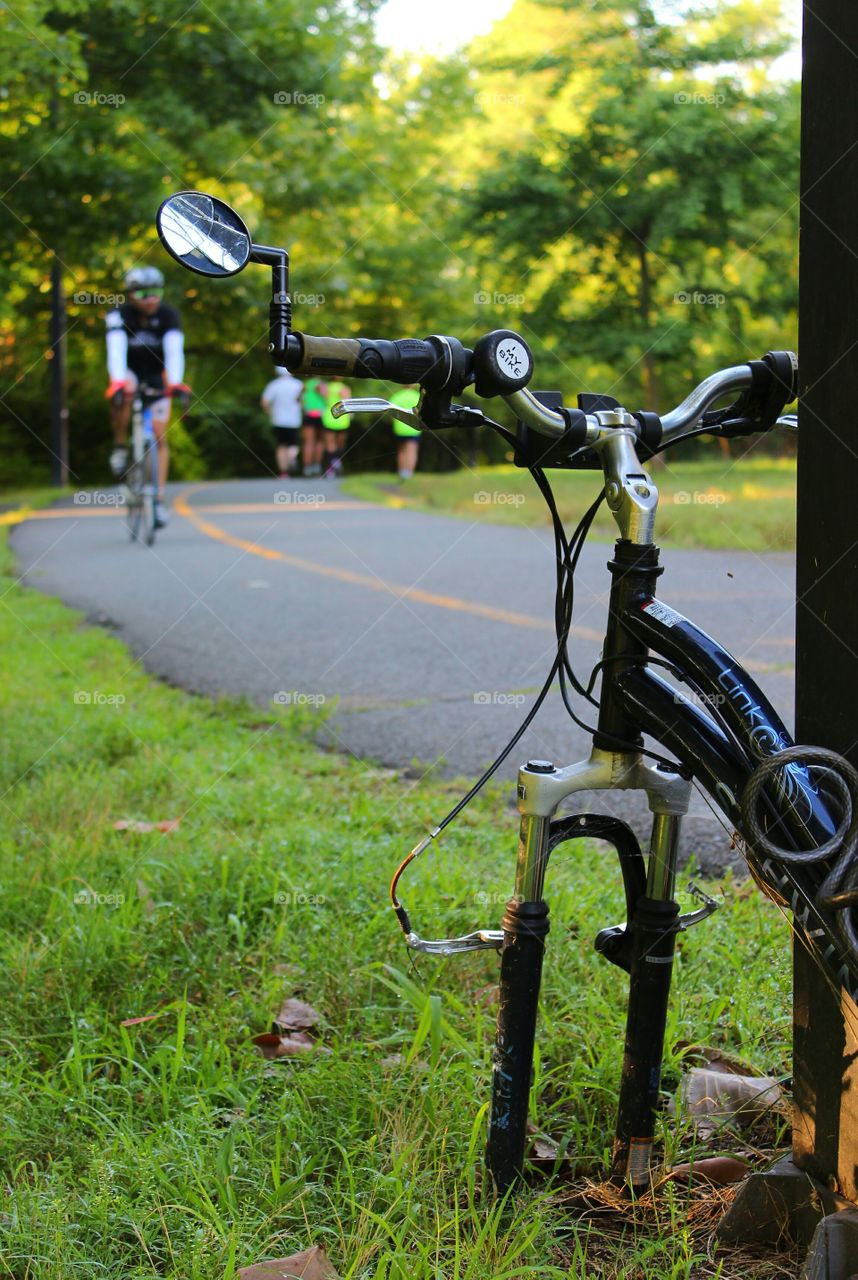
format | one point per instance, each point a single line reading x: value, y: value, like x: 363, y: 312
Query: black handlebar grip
x: 407, y: 361
x: 306, y: 355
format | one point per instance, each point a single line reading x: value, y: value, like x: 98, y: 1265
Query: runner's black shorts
x: 287, y: 435
x: 313, y: 419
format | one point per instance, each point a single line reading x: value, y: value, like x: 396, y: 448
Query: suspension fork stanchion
x: 525, y: 927
x: 654, y: 929
x: 634, y: 571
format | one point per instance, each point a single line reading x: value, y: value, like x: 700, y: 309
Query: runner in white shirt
x: 281, y: 400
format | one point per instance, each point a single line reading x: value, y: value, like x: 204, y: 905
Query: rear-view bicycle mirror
x: 203, y: 233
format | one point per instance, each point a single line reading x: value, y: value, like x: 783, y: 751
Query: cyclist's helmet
x: 144, y: 278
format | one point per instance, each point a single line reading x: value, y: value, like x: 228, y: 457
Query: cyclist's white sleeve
x: 174, y: 355
x: 117, y: 349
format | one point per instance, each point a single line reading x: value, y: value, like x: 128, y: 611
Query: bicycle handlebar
x: 500, y: 364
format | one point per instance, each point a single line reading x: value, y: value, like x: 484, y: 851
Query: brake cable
x: 567, y: 554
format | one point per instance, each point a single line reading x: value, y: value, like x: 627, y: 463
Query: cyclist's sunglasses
x: 147, y: 293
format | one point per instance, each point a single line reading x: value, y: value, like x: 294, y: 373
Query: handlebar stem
x: 629, y: 489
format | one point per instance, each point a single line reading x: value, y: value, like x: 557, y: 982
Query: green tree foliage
x: 577, y: 173
x: 648, y: 199
x: 105, y: 109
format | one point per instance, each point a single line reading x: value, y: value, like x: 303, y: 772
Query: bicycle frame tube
x: 723, y: 750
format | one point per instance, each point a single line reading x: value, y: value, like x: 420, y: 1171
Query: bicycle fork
x: 643, y: 946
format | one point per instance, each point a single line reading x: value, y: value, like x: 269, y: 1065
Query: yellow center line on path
x: 225, y: 508
x: 299, y: 503
x: 192, y: 514
x: 183, y: 508
x: 56, y: 513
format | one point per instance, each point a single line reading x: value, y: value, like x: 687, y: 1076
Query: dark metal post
x: 822, y: 1176
x: 59, y: 400
x: 825, y: 1140
x: 59, y: 404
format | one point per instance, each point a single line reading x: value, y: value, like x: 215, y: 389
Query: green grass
x: 168, y: 1148
x: 33, y: 499
x: 743, y: 505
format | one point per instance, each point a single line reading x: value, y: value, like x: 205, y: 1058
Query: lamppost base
x: 785, y: 1206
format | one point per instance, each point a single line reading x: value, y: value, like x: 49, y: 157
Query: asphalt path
x: 432, y: 635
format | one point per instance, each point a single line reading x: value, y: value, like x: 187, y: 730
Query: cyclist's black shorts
x: 287, y: 435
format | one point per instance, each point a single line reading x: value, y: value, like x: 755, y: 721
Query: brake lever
x: 374, y: 404
x: 480, y: 940
x: 789, y: 421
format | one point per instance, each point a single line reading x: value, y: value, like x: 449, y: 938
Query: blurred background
x: 617, y: 181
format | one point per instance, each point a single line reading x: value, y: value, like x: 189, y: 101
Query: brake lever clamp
x: 437, y: 411
x: 774, y: 386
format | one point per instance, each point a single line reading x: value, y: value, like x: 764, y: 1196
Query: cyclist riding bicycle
x: 145, y: 351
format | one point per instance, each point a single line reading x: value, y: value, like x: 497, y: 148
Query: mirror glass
x: 204, y: 234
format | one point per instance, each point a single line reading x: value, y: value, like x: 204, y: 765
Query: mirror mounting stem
x: 280, y: 308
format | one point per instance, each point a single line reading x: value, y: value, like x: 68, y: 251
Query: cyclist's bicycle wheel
x: 134, y: 499
x: 149, y: 464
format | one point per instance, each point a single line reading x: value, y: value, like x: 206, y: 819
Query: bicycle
x: 794, y: 808
x: 141, y: 477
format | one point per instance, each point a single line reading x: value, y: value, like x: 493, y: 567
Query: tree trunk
x: 650, y: 377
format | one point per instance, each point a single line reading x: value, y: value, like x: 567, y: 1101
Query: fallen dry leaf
x: 312, y: 1264
x: 130, y: 824
x: 270, y: 1045
x: 487, y: 996
x: 295, y: 1015
x: 133, y: 1022
x: 145, y: 898
x: 720, y: 1170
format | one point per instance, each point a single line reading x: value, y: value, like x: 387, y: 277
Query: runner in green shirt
x: 407, y: 438
x: 315, y: 402
x: 335, y: 430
